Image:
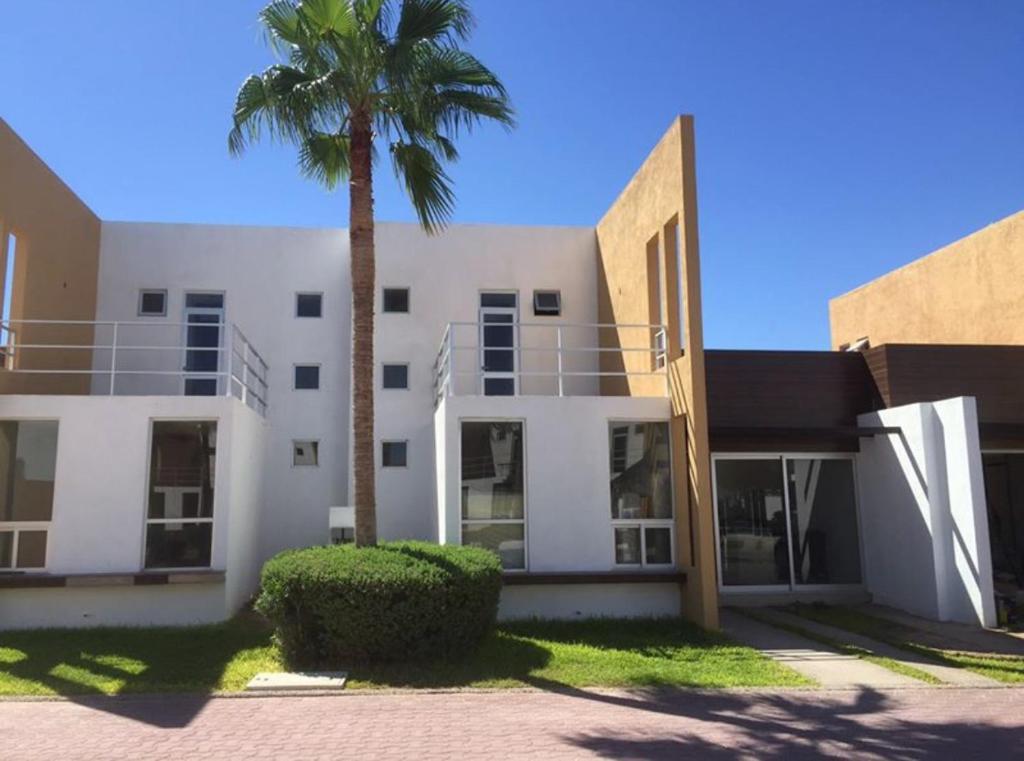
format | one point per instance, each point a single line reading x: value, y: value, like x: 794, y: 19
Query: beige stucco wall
x: 969, y: 292
x: 659, y: 204
x: 56, y: 267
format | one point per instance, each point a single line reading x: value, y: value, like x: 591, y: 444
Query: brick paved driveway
x: 897, y: 724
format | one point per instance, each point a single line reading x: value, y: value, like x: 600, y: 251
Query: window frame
x: 146, y: 520
x: 526, y: 499
x: 403, y: 442
x: 143, y: 292
x: 643, y: 523
x: 295, y: 378
x: 782, y: 457
x: 384, y: 387
x: 320, y: 310
x: 17, y: 527
x: 383, y: 299
x: 316, y: 446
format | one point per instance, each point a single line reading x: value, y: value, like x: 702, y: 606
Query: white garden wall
x: 922, y: 506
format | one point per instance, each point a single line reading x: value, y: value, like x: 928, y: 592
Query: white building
x: 175, y: 403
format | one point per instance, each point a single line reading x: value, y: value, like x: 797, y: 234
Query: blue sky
x: 835, y: 140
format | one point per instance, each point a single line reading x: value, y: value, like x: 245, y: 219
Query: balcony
x: 131, y: 358
x: 504, y: 357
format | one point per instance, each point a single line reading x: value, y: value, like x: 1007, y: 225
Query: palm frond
x: 434, y: 20
x: 325, y: 17
x: 281, y: 25
x: 325, y: 158
x: 428, y: 185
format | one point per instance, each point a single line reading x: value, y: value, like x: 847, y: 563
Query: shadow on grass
x: 90, y: 665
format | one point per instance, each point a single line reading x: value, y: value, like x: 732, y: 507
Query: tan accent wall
x: 654, y: 213
x: 56, y: 268
x: 969, y: 292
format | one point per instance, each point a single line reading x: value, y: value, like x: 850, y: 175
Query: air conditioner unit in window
x: 547, y: 303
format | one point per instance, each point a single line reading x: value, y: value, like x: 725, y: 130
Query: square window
x: 547, y: 303
x: 395, y: 376
x: 393, y: 454
x: 152, y: 303
x: 309, y: 304
x: 305, y: 453
x: 396, y: 300
x: 307, y: 377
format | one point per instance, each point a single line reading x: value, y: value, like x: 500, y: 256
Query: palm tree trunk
x: 363, y: 276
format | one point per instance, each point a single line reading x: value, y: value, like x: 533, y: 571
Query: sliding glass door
x: 786, y: 521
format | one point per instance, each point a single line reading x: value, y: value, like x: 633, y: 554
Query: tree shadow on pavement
x: 863, y: 724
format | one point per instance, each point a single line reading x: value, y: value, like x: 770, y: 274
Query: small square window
x: 309, y: 304
x: 547, y: 303
x: 393, y: 454
x: 152, y: 303
x: 395, y: 376
x: 307, y: 377
x: 396, y: 300
x: 305, y: 452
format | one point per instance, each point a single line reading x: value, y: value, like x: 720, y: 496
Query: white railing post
x: 448, y: 360
x: 245, y: 371
x: 561, y: 388
x: 113, y: 358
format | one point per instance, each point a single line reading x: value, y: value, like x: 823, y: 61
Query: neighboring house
x: 174, y: 409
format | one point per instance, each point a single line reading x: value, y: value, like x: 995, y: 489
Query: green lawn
x: 1008, y: 669
x: 542, y: 654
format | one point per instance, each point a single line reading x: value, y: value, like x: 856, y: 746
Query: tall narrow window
x: 28, y: 464
x: 674, y: 241
x: 6, y: 335
x: 641, y: 493
x: 493, y: 500
x: 179, y: 516
x: 656, y: 302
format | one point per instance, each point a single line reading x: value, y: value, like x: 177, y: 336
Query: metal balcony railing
x: 544, y: 359
x: 134, y: 358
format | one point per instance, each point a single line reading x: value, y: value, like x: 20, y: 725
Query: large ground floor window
x: 786, y: 520
x: 179, y: 516
x: 28, y: 464
x: 493, y: 498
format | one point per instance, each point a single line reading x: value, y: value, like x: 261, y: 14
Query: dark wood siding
x: 994, y: 375
x: 797, y: 400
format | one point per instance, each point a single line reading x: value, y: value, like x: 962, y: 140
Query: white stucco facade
x: 97, y: 532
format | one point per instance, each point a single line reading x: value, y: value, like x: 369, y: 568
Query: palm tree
x: 359, y: 71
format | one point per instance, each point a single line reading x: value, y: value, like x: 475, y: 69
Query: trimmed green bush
x: 393, y: 602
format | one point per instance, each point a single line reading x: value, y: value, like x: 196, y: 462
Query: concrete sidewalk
x: 811, y: 659
x: 946, y: 674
